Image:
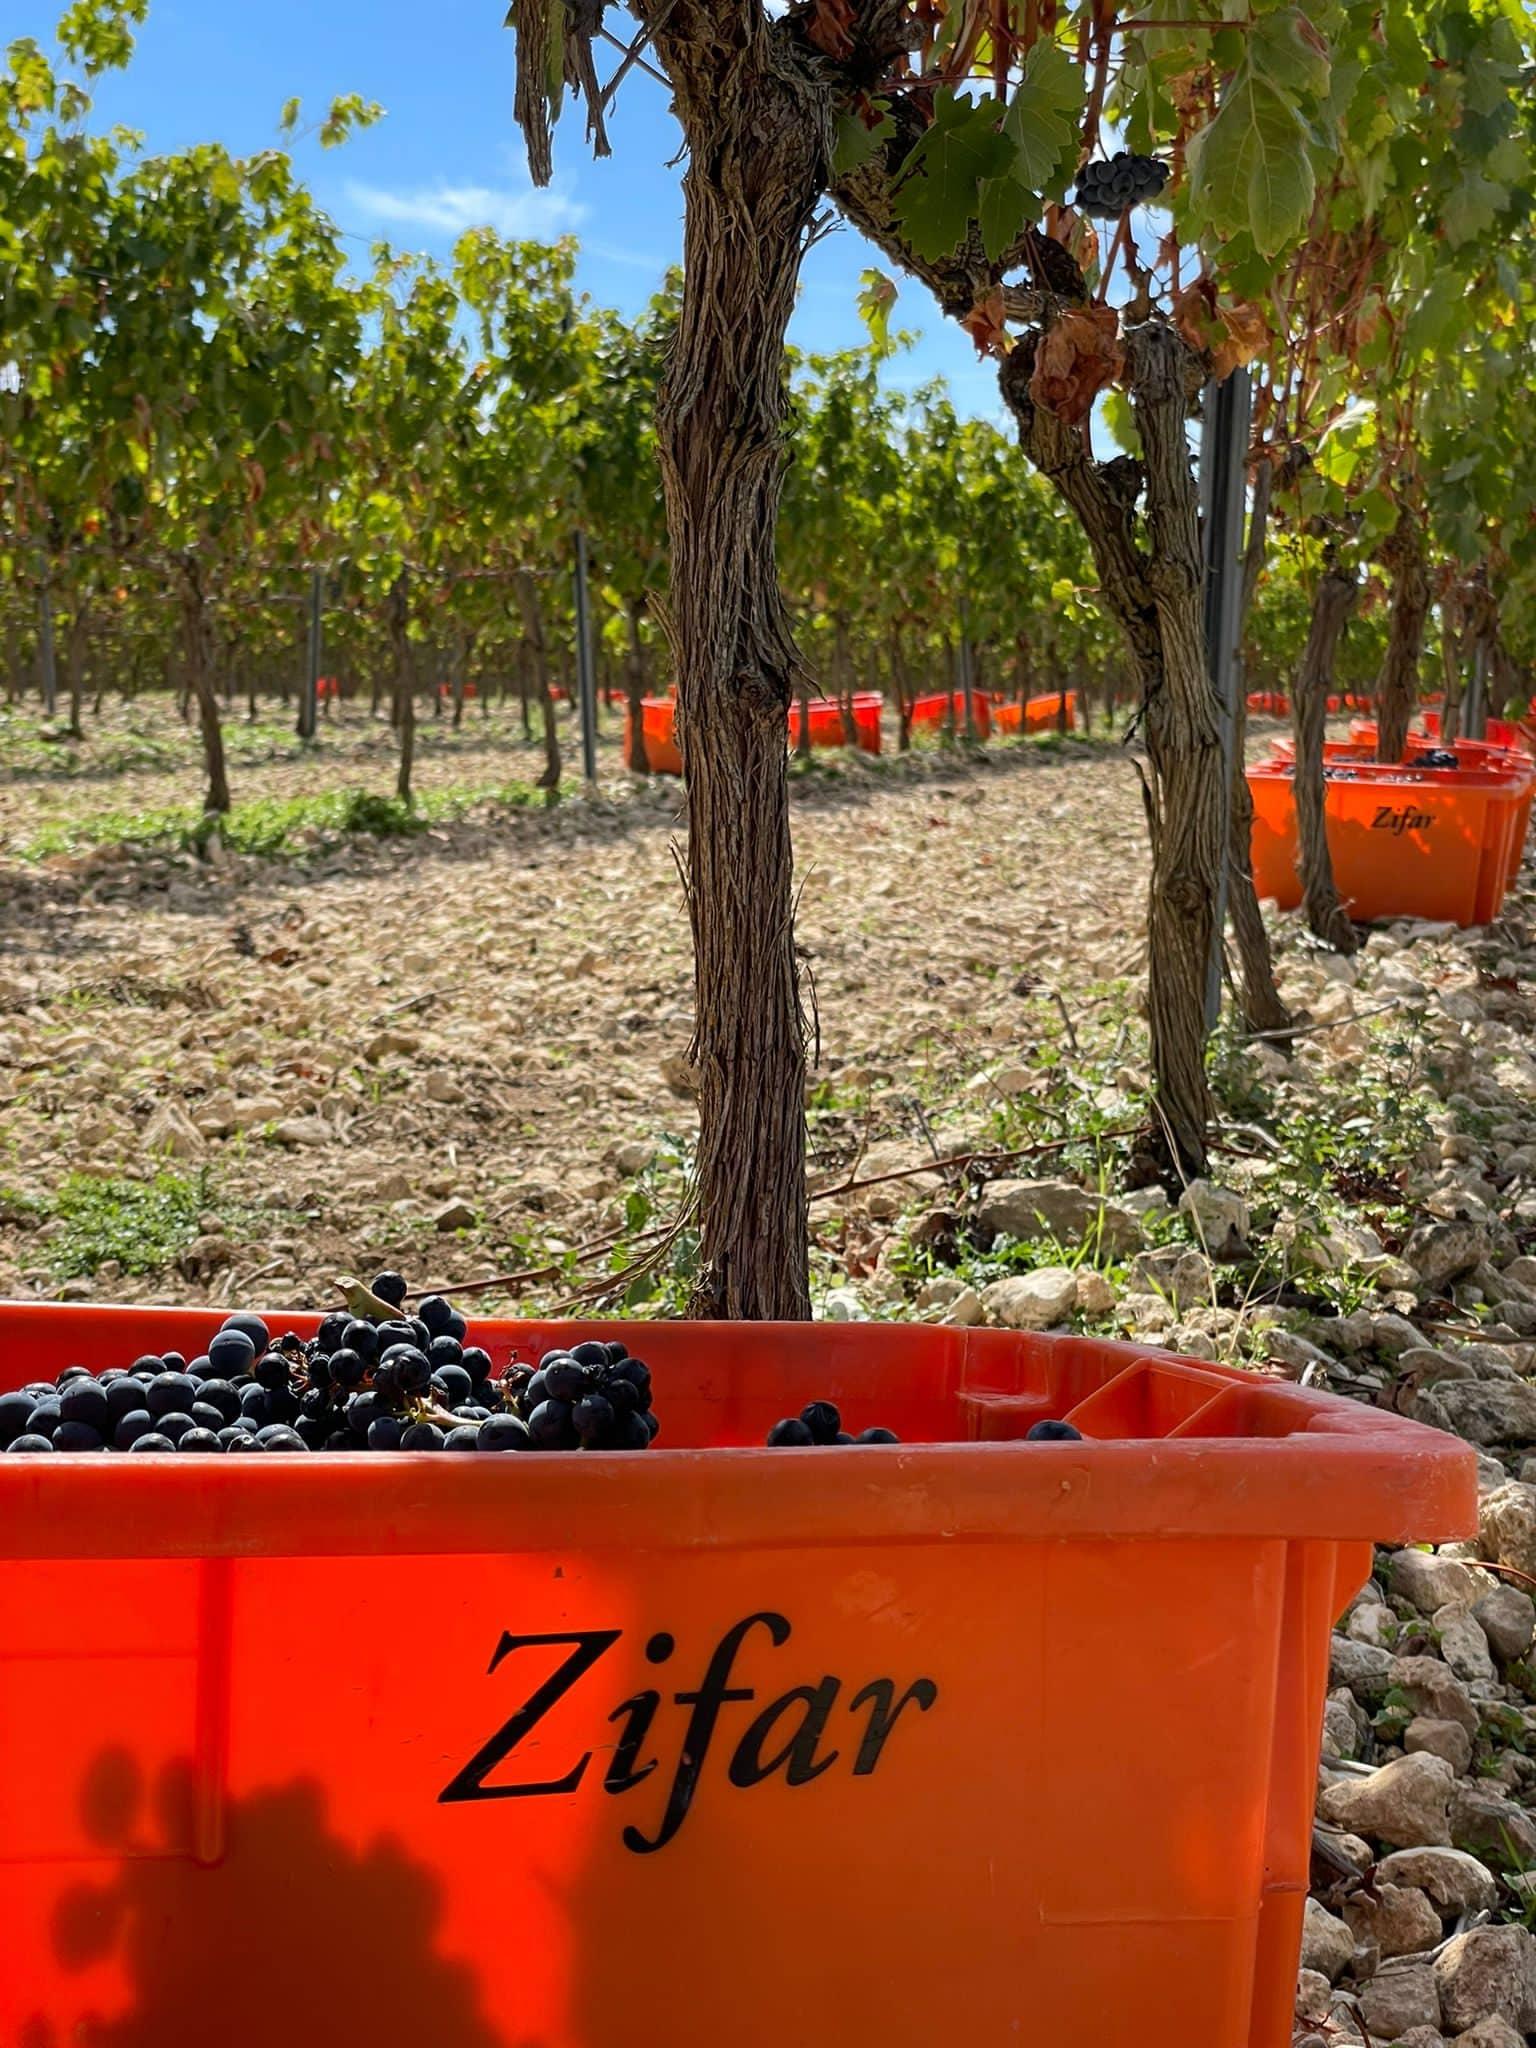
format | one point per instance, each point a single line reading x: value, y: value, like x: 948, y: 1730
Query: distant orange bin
x: 706, y: 1744
x: 934, y: 711
x: 826, y: 721
x: 1037, y: 714
x: 658, y: 721
x: 1405, y: 841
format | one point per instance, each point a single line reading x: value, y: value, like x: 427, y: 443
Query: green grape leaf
x: 854, y: 144
x: 939, y: 192
x: 1251, y: 168
x: 1286, y: 50
x: 1041, y: 121
x: 1472, y: 208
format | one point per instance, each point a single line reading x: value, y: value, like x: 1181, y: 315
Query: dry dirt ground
x: 309, y: 1059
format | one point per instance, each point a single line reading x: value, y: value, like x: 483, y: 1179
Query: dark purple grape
x: 385, y: 1432
x: 71, y: 1373
x: 231, y: 1351
x: 453, y: 1383
x: 476, y: 1362
x: 822, y: 1420
x: 362, y: 1411
x: 504, y: 1433
x: 283, y: 1440
x: 175, y: 1425
x: 150, y: 1362
x: 251, y: 1326
x: 78, y: 1436
x: 457, y: 1327
x: 170, y: 1393
x: 219, y: 1394
x: 176, y: 1361
x: 593, y: 1417
x: 617, y: 1352
x: 436, y: 1313
x: 567, y: 1379
x: 253, y: 1402
x: 630, y: 1433
x: 131, y: 1427
x: 550, y: 1426
x: 1053, y: 1433
x: 877, y: 1436
x: 346, y: 1368
x: 14, y: 1411
x: 237, y: 1440
x: 590, y: 1352
x: 465, y: 1438
x: 28, y: 1442
x: 271, y: 1371
x: 422, y: 1436
x: 362, y: 1337
x: 444, y: 1351
x: 204, y: 1440
x: 389, y: 1287
x: 622, y: 1395
x: 124, y: 1396
x: 152, y: 1440
x: 331, y: 1334
x: 45, y: 1418
x: 314, y: 1429
x: 790, y: 1431
x: 206, y: 1416
x: 413, y: 1369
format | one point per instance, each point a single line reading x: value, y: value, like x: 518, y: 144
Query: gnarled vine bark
x: 1403, y: 556
x: 758, y: 129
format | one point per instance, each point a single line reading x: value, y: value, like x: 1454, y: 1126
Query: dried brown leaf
x: 1077, y: 356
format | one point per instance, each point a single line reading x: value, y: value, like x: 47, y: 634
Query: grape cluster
x: 1107, y: 187
x: 594, y: 1397
x: 820, y: 1423
x: 374, y: 1382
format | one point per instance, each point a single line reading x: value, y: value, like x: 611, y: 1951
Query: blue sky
x: 447, y: 155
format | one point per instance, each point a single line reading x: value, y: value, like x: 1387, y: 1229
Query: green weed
x: 144, y: 1225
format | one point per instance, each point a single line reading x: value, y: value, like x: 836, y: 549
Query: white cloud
x: 518, y: 211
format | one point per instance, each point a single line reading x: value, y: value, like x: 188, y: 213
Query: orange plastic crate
x: 1036, y: 714
x: 826, y: 721
x: 706, y: 1744
x: 1405, y: 842
x: 1502, y: 753
x: 658, y: 722
x: 933, y: 712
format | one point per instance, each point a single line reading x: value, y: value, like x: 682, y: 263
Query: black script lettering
x: 883, y: 1716
x: 713, y: 1693
x: 799, y: 1752
x: 470, y: 1781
